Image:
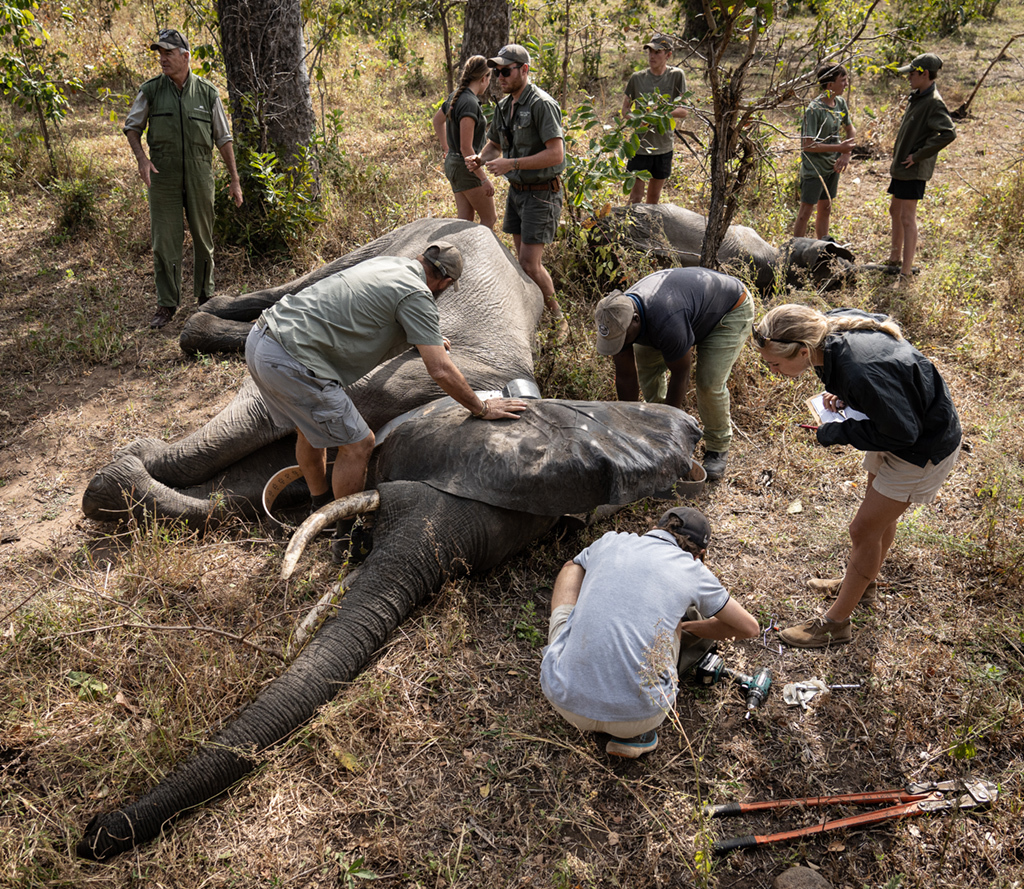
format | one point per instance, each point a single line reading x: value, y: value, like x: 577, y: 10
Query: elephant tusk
x: 354, y: 504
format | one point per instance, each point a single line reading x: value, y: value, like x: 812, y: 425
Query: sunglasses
x: 506, y: 72
x: 760, y: 340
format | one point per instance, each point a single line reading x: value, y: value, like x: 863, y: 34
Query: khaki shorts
x: 904, y: 482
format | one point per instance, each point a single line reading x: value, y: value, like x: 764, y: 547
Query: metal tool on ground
x: 711, y: 668
x: 914, y: 799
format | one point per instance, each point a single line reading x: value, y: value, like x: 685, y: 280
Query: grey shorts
x: 320, y: 409
x: 460, y: 177
x: 812, y: 190
x: 904, y: 482
x: 533, y: 215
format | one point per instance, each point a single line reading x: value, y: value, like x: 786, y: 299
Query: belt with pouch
x: 551, y: 185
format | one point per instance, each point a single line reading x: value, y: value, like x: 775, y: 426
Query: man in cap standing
x: 655, y: 153
x: 525, y: 144
x: 183, y: 119
x: 619, y: 610
x: 926, y: 129
x: 307, y: 347
x: 652, y: 332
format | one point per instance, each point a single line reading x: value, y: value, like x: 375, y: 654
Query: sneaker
x: 714, y: 464
x: 631, y: 748
x: 818, y: 632
x: 831, y: 586
x: 162, y: 316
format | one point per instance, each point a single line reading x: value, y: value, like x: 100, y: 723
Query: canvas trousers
x: 714, y: 358
x: 174, y: 198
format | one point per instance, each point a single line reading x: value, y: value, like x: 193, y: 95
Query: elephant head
x: 455, y: 495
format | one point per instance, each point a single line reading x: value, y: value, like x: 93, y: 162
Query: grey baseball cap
x: 659, y: 42
x: 168, y: 38
x: 446, y: 259
x: 511, y: 54
x: 612, y: 317
x: 689, y: 522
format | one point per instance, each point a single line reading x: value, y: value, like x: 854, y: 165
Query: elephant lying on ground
x: 455, y: 495
x: 675, y: 235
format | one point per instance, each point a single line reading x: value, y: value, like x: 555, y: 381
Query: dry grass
x: 443, y: 765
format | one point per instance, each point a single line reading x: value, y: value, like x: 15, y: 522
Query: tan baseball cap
x: 446, y: 259
x: 612, y: 317
x: 168, y: 38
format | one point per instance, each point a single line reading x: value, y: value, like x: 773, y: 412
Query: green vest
x: 180, y: 125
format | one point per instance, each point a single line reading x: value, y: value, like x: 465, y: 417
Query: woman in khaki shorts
x: 910, y: 432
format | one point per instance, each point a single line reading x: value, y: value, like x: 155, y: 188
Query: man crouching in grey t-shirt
x: 617, y: 615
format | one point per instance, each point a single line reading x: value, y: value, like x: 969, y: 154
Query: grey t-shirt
x: 680, y: 307
x: 612, y: 661
x: 671, y: 83
x: 342, y: 327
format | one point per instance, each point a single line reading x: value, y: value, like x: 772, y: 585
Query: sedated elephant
x: 455, y: 495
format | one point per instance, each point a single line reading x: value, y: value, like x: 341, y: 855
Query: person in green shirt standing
x: 824, y: 155
x: 183, y: 119
x: 655, y: 154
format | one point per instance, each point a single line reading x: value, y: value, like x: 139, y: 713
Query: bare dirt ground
x: 443, y: 765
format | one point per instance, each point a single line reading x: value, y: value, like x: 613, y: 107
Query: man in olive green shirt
x: 184, y: 119
x: 525, y: 144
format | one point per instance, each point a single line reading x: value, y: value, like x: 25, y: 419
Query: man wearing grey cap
x: 665, y: 323
x: 926, y: 129
x: 525, y: 144
x: 183, y: 119
x: 618, y: 613
x: 307, y: 347
x: 655, y: 152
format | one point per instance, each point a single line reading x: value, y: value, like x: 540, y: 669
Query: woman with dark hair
x: 459, y: 124
x: 911, y: 434
x: 823, y: 154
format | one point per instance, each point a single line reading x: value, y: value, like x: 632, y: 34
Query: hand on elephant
x: 502, y: 409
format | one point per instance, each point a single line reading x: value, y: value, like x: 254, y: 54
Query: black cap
x: 168, y: 38
x: 688, y: 522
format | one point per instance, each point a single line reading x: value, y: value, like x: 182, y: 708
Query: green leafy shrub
x: 76, y: 208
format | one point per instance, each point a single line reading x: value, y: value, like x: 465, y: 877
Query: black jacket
x: 910, y: 411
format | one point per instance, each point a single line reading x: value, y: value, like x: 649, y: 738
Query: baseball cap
x: 612, y: 316
x: 927, y: 62
x: 688, y: 522
x: 511, y: 54
x: 447, y: 259
x: 659, y: 42
x: 168, y: 38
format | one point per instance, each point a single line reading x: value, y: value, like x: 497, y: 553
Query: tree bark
x: 268, y: 84
x: 486, y: 28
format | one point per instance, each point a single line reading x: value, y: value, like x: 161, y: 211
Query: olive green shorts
x: 533, y: 215
x: 457, y: 173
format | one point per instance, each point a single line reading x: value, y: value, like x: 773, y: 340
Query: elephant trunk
x: 422, y: 538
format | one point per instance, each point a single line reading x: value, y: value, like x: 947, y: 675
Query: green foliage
x: 281, y: 203
x: 912, y: 21
x: 526, y: 627
x: 77, y: 208
x: 1001, y: 211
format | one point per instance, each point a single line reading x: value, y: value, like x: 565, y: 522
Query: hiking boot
x: 555, y: 327
x: 631, y: 748
x: 714, y: 464
x: 831, y: 586
x: 162, y: 316
x: 818, y: 632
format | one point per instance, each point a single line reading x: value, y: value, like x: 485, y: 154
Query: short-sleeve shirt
x: 343, y: 326
x: 466, y: 105
x: 671, y: 83
x: 524, y: 129
x: 823, y: 124
x: 680, y: 307
x: 612, y: 661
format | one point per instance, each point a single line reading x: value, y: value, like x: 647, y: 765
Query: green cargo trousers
x: 173, y: 198
x: 715, y: 356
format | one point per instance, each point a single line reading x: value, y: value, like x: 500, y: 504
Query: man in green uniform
x: 655, y: 154
x: 183, y: 119
x: 525, y: 144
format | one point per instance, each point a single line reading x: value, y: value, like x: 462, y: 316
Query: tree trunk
x: 696, y: 27
x: 264, y: 55
x: 486, y: 28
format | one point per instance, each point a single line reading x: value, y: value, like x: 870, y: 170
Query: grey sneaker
x: 632, y: 748
x: 831, y: 585
x: 818, y: 632
x: 714, y: 464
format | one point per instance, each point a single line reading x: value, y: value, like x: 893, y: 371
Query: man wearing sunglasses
x: 525, y: 145
x: 926, y: 129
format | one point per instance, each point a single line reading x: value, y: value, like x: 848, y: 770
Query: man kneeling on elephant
x: 306, y: 348
x: 619, y: 611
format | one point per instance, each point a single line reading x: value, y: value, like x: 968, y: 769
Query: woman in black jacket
x: 910, y: 432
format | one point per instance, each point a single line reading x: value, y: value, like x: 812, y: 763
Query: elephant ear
x: 558, y: 457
